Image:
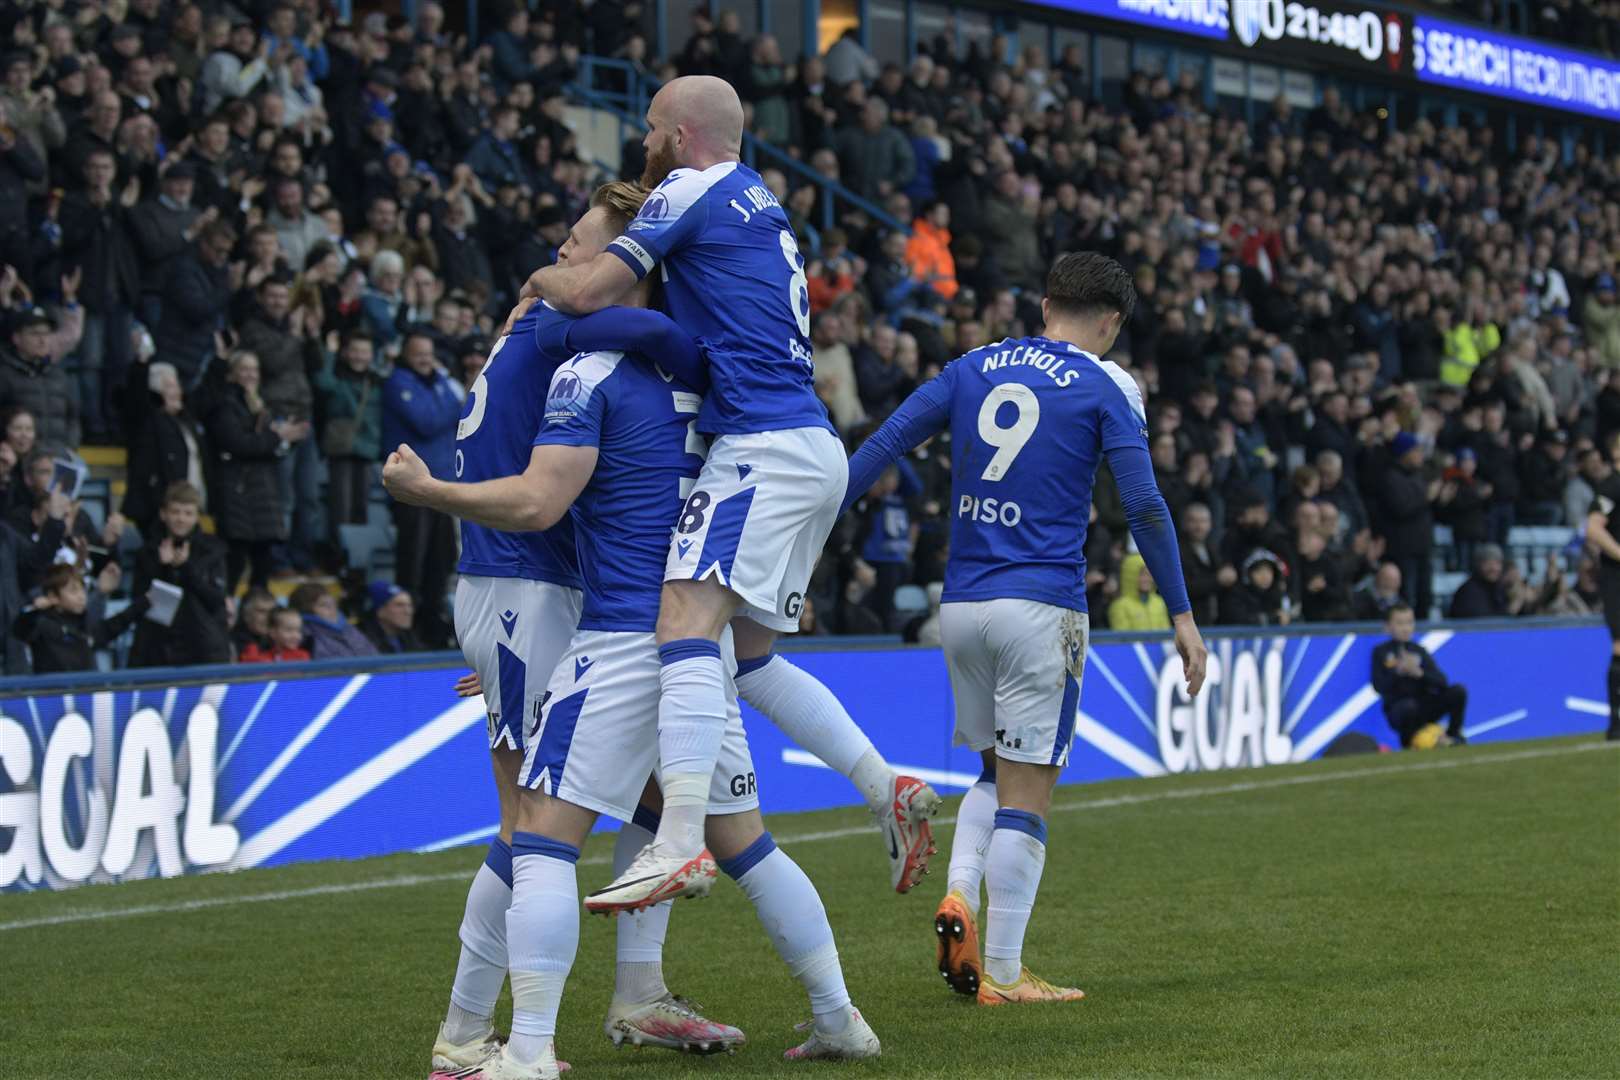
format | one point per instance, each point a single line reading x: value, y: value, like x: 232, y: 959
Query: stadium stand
x: 1396, y: 328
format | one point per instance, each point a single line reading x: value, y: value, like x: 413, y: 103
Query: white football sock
x: 542, y: 929
x: 639, y: 975
x: 794, y: 918
x: 482, y: 967
x: 975, y: 820
x: 692, y: 707
x: 1012, y: 875
x: 812, y: 716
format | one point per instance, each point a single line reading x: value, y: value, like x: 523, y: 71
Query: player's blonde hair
x: 622, y: 200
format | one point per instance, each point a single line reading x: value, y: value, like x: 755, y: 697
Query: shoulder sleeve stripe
x: 1127, y: 386
x: 685, y: 188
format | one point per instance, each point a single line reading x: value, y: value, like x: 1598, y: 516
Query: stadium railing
x: 616, y: 87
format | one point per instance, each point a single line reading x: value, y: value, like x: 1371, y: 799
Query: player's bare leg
x: 467, y: 1036
x: 793, y: 916
x: 812, y: 716
x: 1013, y: 865
x: 956, y: 919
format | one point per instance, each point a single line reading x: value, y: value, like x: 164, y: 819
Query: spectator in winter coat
x: 847, y: 61
x: 328, y: 634
x: 195, y: 562
x: 287, y: 351
x: 253, y: 621
x: 928, y: 251
x: 420, y: 409
x: 1404, y: 498
x: 1600, y: 321
x: 1261, y: 599
x: 1319, y: 577
x: 298, y: 228
x: 248, y: 444
x: 58, y: 628
x: 32, y: 114
x: 495, y: 157
x: 196, y: 296
x: 233, y: 71
x: 1138, y: 605
x: 835, y: 369
x: 166, y: 447
x: 384, y: 297
x: 20, y: 168
x: 97, y: 240
x: 350, y: 393
x: 1379, y: 594
x: 1009, y: 217
x: 1485, y: 595
x: 1206, y: 576
x: 164, y: 226
x: 875, y: 158
x: 32, y: 376
x: 27, y: 558
x: 389, y: 623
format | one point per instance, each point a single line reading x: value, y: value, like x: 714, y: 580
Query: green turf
x: 1396, y: 919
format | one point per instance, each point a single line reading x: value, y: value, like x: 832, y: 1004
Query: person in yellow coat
x: 1139, y: 605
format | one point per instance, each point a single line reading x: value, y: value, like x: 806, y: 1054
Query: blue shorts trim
x: 514, y: 674
x: 1066, y: 715
x: 551, y: 756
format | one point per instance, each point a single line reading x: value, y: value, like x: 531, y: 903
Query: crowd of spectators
x: 258, y: 247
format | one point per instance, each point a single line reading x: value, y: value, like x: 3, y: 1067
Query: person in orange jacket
x: 929, y: 249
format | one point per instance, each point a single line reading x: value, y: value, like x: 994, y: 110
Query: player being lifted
x: 1030, y: 420
x: 749, y: 535
x: 517, y: 606
x: 618, y: 447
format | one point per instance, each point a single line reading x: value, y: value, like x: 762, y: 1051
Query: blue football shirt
x: 643, y: 423
x: 1030, y: 419
x: 505, y: 409
x: 734, y: 279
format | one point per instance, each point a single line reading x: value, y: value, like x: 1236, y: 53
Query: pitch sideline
x: 407, y: 880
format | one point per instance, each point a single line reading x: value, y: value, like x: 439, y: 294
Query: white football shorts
x: 513, y: 631
x: 1015, y: 669
x: 758, y: 517
x: 596, y: 740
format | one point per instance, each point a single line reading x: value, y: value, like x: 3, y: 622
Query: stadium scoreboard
x: 1371, y: 39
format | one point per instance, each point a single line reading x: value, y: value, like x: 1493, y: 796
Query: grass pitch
x: 1448, y: 914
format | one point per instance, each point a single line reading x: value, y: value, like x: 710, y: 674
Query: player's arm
x: 533, y: 500
x: 921, y: 416
x: 670, y: 219
x: 1155, y: 537
x: 1598, y: 534
x: 586, y: 287
x: 642, y: 331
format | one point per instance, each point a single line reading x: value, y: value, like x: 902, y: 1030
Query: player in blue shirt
x: 1031, y: 419
x: 517, y: 605
x: 754, y: 525
x: 618, y: 451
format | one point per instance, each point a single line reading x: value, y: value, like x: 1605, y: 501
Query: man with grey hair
x: 875, y: 157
